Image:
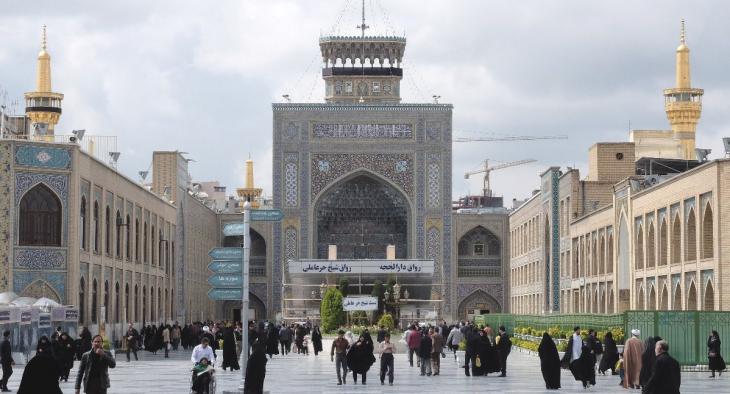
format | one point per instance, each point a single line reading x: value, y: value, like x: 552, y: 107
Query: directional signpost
x: 230, y: 265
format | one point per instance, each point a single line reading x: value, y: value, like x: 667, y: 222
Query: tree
x: 378, y: 292
x: 344, y: 285
x: 331, y: 311
x: 386, y: 321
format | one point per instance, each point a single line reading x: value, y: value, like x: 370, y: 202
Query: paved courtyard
x: 301, y: 374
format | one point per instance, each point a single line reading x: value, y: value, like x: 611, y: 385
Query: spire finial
x: 682, y: 34
x: 362, y: 25
x: 43, y: 38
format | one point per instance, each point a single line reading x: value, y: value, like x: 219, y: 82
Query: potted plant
x: 461, y: 354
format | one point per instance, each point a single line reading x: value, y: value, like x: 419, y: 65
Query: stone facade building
x: 638, y: 233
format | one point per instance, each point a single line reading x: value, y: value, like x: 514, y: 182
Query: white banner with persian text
x: 401, y: 267
x: 350, y: 304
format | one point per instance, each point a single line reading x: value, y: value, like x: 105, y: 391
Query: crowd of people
x: 645, y: 365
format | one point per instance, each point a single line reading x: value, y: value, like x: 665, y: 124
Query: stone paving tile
x: 309, y: 374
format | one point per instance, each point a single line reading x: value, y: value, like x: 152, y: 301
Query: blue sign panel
x: 233, y: 229
x: 225, y: 280
x: 225, y: 267
x: 224, y: 294
x: 226, y: 253
x: 265, y: 215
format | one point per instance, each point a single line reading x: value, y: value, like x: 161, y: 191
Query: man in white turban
x: 633, y: 348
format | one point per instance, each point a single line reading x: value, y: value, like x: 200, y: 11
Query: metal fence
x: 685, y: 331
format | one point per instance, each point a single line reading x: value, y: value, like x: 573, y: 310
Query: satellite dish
x: 143, y: 174
x: 702, y: 154
x: 114, y: 156
x: 726, y: 142
x: 79, y: 134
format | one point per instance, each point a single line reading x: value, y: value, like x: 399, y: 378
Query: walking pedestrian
x: 64, y: 354
x: 716, y: 363
x: 595, y: 348
x: 166, y: 340
x: 339, y: 349
x: 272, y: 341
x: 549, y: 362
x: 665, y: 376
x: 610, y: 355
x: 84, y: 342
x: 504, y: 346
x: 6, y: 359
x: 437, y: 347
x: 316, y: 340
x: 413, y: 339
x: 230, y: 360
x: 255, y: 369
x: 42, y: 374
x: 94, y: 369
x: 285, y: 336
x: 386, y: 350
x: 381, y: 334
x: 454, y: 339
x: 360, y: 357
x: 175, y: 334
x: 132, y: 340
x: 571, y: 359
x: 647, y: 359
x: 424, y: 353
x: 472, y: 352
x: 633, y: 348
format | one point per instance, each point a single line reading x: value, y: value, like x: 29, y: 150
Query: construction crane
x: 486, y: 169
x: 498, y: 138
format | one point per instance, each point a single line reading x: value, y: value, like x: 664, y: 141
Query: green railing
x: 686, y: 332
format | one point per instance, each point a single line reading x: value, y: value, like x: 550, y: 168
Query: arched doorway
x: 40, y: 216
x: 692, y: 297
x: 256, y: 307
x: 477, y: 303
x: 40, y: 288
x: 664, y: 299
x: 651, y: 305
x: 677, y: 301
x: 609, y: 308
x: 362, y: 215
x: 709, y: 297
x: 640, y: 303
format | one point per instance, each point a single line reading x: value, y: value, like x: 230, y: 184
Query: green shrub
x: 344, y: 287
x: 331, y: 312
x: 386, y: 321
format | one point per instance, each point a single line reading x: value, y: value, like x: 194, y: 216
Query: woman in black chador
x: 713, y: 354
x: 272, y: 340
x: 64, y: 354
x: 610, y: 355
x: 648, y: 358
x: 360, y: 357
x: 255, y: 369
x: 587, y: 366
x: 41, y: 374
x: 229, y: 350
x: 549, y: 362
x: 316, y: 340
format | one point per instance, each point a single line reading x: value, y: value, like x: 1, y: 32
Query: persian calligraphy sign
x: 361, y: 267
x: 362, y: 131
x: 360, y: 304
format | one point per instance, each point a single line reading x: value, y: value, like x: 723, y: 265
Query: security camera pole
x: 244, y: 291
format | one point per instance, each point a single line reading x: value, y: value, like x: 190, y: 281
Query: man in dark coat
x: 316, y: 340
x: 424, y: 353
x: 549, y: 362
x: 255, y: 369
x: 42, y: 373
x: 6, y: 359
x: 94, y: 369
x: 647, y: 359
x: 666, y: 376
x: 132, y: 339
x: 504, y: 346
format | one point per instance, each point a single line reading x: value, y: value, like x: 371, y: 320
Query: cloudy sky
x: 200, y: 76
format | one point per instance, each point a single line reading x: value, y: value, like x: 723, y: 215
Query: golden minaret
x: 43, y: 106
x: 683, y: 103
x: 250, y: 192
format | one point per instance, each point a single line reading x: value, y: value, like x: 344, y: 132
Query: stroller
x: 203, y: 378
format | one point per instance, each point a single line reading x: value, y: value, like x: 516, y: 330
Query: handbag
x: 478, y: 362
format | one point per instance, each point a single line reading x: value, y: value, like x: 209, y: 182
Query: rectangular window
x: 376, y: 87
x: 348, y: 87
x: 479, y: 249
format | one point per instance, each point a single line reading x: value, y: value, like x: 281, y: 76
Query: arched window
x: 40, y: 218
x: 95, y: 224
x: 117, y: 305
x: 153, y: 310
x: 663, y: 242
x: 639, y: 249
x: 164, y: 307
x: 159, y: 304
x: 172, y: 303
x: 94, y: 296
x: 144, y: 304
x: 118, y: 236
x: 691, y: 237
x: 106, y: 301
x: 136, y: 240
x: 160, y: 250
x: 128, y: 240
x: 676, y: 245
x: 82, y: 301
x: 707, y: 233
x: 154, y: 245
x: 650, y: 247
x: 108, y: 231
x: 136, y: 303
x: 128, y: 313
x: 83, y: 224
x: 146, y: 244
x: 609, y: 258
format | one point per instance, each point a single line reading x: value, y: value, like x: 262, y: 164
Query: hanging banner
x: 58, y: 313
x: 72, y: 315
x: 25, y: 317
x: 401, y: 267
x: 359, y: 304
x: 44, y: 320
